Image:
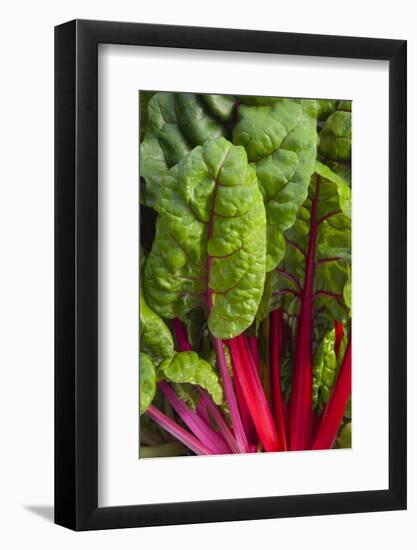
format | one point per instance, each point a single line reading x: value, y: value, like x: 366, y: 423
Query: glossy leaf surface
x: 155, y: 337
x: 280, y: 137
x: 147, y: 382
x: 210, y: 243
x: 187, y: 367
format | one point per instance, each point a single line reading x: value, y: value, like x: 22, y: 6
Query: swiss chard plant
x: 245, y: 306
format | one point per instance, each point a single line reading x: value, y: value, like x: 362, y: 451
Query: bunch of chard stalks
x: 259, y: 418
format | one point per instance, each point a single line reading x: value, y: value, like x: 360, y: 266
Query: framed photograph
x: 230, y: 248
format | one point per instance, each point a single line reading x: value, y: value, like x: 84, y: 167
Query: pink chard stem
x: 200, y: 429
x: 253, y: 393
x: 277, y: 396
x: 177, y: 431
x: 253, y: 345
x: 301, y: 410
x: 217, y: 416
x: 239, y: 432
x: 202, y: 411
x: 184, y: 345
x: 245, y: 415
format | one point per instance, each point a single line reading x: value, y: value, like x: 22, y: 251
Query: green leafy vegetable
x: 344, y: 105
x: 335, y: 141
x: 188, y: 368
x: 324, y: 369
x: 187, y: 393
x: 155, y: 337
x: 345, y: 436
x: 175, y: 124
x: 336, y: 136
x: 281, y: 138
x: 209, y: 249
x: 325, y: 108
x: 144, y: 100
x: 245, y: 306
x: 147, y: 382
x: 331, y: 195
x: 222, y: 106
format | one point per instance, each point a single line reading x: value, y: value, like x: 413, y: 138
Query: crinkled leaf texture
x: 144, y: 99
x: 347, y: 290
x: 325, y: 107
x: 345, y: 105
x: 343, y: 189
x: 221, y: 106
x: 147, y: 381
x: 324, y: 369
x: 210, y: 244
x: 333, y: 251
x: 278, y: 134
x: 335, y: 141
x: 187, y: 367
x: 175, y: 123
x: 280, y: 137
x: 155, y: 337
x: 336, y: 136
x: 286, y: 373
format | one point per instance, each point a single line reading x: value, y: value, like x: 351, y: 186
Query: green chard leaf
x: 336, y: 136
x: 258, y: 101
x: 324, y: 369
x: 144, y: 98
x: 187, y: 393
x: 210, y: 244
x: 197, y: 333
x: 347, y: 290
x: 286, y: 373
x: 187, y: 367
x: 221, y: 106
x: 175, y: 123
x: 155, y: 337
x: 325, y: 108
x: 335, y: 141
x: 280, y: 137
x: 195, y: 122
x: 332, y: 197
x: 153, y: 168
x: 344, y: 439
x: 344, y: 105
x: 343, y: 189
x: 264, y: 308
x: 147, y: 382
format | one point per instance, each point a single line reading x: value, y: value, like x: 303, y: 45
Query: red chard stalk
x: 301, y: 415
x: 217, y: 416
x: 239, y: 432
x: 254, y: 394
x: 246, y: 249
x: 336, y: 407
x: 277, y: 396
x: 247, y: 421
x: 200, y: 429
x: 177, y: 431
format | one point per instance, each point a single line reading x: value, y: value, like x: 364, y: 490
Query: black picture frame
x: 76, y: 270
